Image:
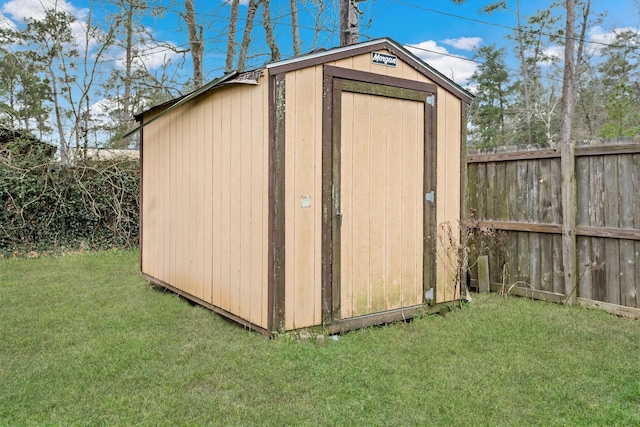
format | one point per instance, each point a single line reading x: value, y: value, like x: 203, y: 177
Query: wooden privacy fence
x: 568, y: 220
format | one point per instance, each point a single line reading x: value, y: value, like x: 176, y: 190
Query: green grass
x: 85, y: 341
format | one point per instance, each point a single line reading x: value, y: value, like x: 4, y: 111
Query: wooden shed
x: 306, y: 193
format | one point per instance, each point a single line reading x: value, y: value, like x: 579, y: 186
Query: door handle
x: 339, y: 216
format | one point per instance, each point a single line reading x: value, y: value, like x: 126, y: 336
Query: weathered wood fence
x: 570, y: 221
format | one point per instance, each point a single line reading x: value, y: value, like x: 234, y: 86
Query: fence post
x: 569, y: 211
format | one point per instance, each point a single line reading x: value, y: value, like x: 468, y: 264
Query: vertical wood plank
x: 611, y: 219
x: 244, y: 213
x: 346, y: 206
x: 216, y: 196
x: 256, y: 196
x: 596, y: 219
x: 545, y: 216
x: 377, y: 217
x: 226, y: 209
x: 636, y: 220
x: 533, y: 216
x: 412, y: 135
x: 304, y: 162
x: 627, y: 247
x: 361, y: 203
x: 556, y: 214
x: 523, y: 238
x: 288, y: 110
x: 199, y: 184
x: 569, y: 202
x: 393, y: 207
x: 585, y: 285
x: 512, y: 215
x: 207, y: 196
x: 173, y: 191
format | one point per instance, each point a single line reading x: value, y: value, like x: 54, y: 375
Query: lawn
x: 84, y: 340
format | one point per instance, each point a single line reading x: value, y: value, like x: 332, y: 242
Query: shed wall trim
x: 276, y: 280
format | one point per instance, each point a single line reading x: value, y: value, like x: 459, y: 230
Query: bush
x: 47, y: 206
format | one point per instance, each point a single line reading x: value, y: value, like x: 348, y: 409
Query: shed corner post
x: 464, y: 197
x: 276, y: 275
x: 569, y: 211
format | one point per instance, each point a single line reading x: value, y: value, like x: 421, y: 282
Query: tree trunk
x: 196, y: 42
x: 64, y: 147
x: 126, y: 96
x: 525, y: 76
x: 246, y: 37
x: 268, y: 28
x: 231, y: 36
x: 569, y: 74
x: 295, y: 28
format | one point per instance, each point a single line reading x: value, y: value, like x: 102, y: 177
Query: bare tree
x: 295, y: 27
x: 246, y: 37
x: 268, y: 28
x: 231, y: 36
x: 196, y: 41
x: 569, y: 73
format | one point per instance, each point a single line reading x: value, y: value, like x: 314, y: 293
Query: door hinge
x: 431, y: 100
x: 430, y: 196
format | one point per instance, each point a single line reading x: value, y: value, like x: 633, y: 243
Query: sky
x: 440, y: 32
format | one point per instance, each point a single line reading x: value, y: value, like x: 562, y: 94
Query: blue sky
x: 440, y: 30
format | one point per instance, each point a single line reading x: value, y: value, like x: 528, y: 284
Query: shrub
x: 47, y: 206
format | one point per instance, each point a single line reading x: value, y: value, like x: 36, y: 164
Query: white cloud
x: 454, y: 67
x: 464, y: 43
x: 601, y: 37
x: 19, y: 10
x: 553, y: 54
x: 6, y: 24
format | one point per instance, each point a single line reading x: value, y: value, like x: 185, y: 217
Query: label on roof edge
x: 384, y: 59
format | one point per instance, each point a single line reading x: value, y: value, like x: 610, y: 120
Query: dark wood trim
x: 430, y: 183
x: 389, y: 316
x: 140, y: 194
x: 327, y: 202
x: 210, y: 306
x: 363, y: 76
x: 618, y: 310
x: 601, y: 150
x: 521, y: 226
x: 336, y: 179
x: 581, y: 230
x: 608, y: 232
x: 276, y: 245
x: 527, y: 292
x: 320, y: 59
x: 549, y: 153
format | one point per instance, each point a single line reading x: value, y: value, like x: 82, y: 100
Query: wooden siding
x: 448, y: 191
x: 205, y: 200
x: 303, y: 157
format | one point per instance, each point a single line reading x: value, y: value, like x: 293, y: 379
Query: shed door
x: 382, y: 231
